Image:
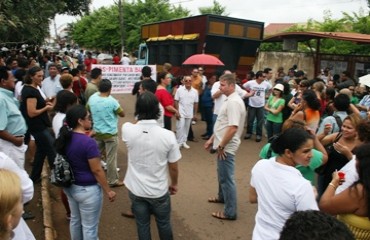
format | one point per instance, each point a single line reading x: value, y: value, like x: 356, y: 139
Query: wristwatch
x: 221, y: 148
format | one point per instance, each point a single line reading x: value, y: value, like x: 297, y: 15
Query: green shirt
x: 307, y: 172
x: 276, y: 118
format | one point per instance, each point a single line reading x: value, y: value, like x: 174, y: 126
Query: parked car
x: 104, y: 58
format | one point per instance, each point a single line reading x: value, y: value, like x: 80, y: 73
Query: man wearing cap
x: 125, y: 60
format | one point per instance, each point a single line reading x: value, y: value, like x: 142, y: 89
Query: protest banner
x: 123, y: 77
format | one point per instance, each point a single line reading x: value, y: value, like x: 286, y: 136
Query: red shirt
x: 166, y: 99
x: 76, y: 86
x: 88, y: 62
x: 116, y: 60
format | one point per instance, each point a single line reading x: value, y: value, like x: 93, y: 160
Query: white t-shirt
x: 218, y: 101
x: 125, y: 60
x: 281, y: 191
x: 186, y: 99
x: 58, y: 123
x: 259, y: 98
x: 232, y: 113
x: 351, y: 175
x: 150, y: 149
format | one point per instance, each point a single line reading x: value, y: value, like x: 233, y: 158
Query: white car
x: 104, y: 58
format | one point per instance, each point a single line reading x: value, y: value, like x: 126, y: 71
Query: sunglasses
x: 187, y: 80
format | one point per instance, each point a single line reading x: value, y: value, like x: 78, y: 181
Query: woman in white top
x: 278, y: 187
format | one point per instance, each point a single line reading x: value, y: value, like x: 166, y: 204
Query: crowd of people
x: 316, y: 130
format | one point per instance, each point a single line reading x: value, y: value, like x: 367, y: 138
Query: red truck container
x: 234, y: 41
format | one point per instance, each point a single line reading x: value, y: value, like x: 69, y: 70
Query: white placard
x: 123, y: 77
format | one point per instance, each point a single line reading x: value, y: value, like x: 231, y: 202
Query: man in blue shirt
x: 104, y: 110
x: 12, y: 124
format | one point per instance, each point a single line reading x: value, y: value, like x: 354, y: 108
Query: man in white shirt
x: 226, y: 139
x: 51, y: 85
x: 186, y: 102
x: 152, y: 171
x: 125, y: 60
x: 256, y: 104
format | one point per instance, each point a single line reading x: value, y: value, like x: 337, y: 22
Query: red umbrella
x: 203, y: 59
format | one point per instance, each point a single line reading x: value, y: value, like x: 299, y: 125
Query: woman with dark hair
x: 342, y: 144
x: 302, y: 85
x: 165, y: 98
x: 350, y: 171
x: 353, y: 204
x: 274, y: 107
x: 287, y: 111
x: 319, y: 155
x: 35, y: 111
x: 64, y: 100
x: 85, y: 196
x: 278, y: 187
x: 308, y: 110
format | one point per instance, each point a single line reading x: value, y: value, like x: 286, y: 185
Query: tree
x: 28, y: 21
x: 100, y: 29
x: 216, y: 9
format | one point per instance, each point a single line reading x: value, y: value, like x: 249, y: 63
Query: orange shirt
x: 197, y: 84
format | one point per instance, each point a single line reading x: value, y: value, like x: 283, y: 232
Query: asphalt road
x: 191, y: 213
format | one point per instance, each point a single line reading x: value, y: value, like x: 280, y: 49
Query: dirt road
x: 191, y: 213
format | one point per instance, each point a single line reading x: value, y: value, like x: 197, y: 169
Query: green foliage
x: 216, y: 9
x: 28, y: 21
x: 355, y: 22
x: 100, y: 29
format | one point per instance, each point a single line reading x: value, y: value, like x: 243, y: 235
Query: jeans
x: 110, y: 146
x: 252, y: 114
x: 226, y: 184
x: 272, y: 129
x: 142, y: 208
x: 86, y: 204
x: 182, y: 129
x: 44, y: 147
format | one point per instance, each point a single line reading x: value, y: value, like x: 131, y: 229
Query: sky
x: 267, y: 11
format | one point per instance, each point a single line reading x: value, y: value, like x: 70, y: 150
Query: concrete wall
x: 274, y: 60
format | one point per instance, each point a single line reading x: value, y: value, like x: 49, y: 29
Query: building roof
x: 304, y: 36
x: 275, y: 28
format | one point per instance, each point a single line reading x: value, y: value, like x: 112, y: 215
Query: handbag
x: 62, y: 174
x: 329, y: 149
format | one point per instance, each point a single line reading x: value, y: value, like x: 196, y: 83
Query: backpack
x: 61, y: 175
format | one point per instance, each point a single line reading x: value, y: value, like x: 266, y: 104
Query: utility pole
x: 120, y: 11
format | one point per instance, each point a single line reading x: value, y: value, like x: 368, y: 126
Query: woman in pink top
x: 165, y: 98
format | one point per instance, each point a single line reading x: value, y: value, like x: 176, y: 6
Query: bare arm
x: 195, y: 111
x: 344, y: 202
x: 31, y: 107
x: 99, y: 174
x: 174, y: 174
x: 216, y: 95
x: 253, y: 197
x: 16, y: 140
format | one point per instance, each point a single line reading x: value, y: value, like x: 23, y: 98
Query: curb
x: 50, y: 232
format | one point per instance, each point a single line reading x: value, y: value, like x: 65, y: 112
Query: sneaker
x: 258, y: 139
x: 184, y: 145
x: 193, y: 122
x: 248, y: 136
x: 118, y: 169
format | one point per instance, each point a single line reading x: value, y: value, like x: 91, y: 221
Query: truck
x: 234, y: 41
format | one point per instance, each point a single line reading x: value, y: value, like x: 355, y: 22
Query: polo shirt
x: 150, y: 149
x: 11, y: 119
x: 232, y: 113
x: 104, y: 112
